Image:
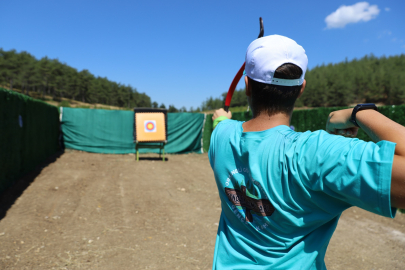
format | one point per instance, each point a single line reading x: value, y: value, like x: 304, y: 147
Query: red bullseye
x: 150, y: 126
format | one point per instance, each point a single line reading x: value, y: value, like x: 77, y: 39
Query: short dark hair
x: 272, y: 99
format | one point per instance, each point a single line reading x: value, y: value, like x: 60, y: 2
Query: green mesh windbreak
x: 109, y: 131
x: 207, y: 132
x: 29, y: 132
x: 312, y: 119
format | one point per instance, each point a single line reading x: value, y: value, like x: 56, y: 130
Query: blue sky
x: 182, y: 52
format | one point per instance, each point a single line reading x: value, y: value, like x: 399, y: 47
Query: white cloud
x: 361, y: 11
x: 387, y: 9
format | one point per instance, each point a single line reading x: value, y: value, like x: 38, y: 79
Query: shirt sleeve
x: 351, y: 170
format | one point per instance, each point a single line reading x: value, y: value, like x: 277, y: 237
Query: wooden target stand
x: 150, y: 129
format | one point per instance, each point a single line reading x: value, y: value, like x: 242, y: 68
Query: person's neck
x: 263, y: 122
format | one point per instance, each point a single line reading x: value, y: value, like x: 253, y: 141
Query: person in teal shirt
x: 282, y: 192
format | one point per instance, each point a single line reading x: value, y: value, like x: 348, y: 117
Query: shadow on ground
x: 11, y: 194
x: 153, y: 158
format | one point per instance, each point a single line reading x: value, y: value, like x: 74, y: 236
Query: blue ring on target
x: 150, y: 126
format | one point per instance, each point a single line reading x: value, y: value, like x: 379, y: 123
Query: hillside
x: 66, y: 102
x: 369, y: 79
x: 50, y: 77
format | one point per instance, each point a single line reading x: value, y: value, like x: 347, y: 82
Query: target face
x: 150, y: 125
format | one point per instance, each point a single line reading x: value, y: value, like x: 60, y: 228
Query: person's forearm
x: 220, y: 115
x: 379, y: 127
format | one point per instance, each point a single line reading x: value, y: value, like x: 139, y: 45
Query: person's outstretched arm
x: 379, y: 128
x: 220, y: 115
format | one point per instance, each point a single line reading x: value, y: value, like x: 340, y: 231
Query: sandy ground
x: 94, y: 211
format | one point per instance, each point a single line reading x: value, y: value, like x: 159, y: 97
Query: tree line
x: 367, y: 80
x: 58, y: 80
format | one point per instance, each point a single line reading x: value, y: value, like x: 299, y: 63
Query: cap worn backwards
x: 264, y: 55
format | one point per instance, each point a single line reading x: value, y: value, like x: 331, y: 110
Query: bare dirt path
x: 94, y: 211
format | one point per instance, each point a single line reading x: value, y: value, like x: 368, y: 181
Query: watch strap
x: 361, y: 107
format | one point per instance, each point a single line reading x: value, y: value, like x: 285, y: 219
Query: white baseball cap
x: 264, y: 55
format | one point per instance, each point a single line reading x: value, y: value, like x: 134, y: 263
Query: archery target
x: 150, y: 126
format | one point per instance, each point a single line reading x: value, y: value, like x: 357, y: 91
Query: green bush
x: 64, y: 103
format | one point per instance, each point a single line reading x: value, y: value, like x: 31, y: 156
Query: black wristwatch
x: 360, y: 107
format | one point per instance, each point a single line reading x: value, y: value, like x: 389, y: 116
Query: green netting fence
x: 29, y: 131
x: 109, y: 131
x: 311, y: 119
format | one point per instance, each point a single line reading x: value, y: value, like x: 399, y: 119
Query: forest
x: 51, y: 77
x: 369, y: 79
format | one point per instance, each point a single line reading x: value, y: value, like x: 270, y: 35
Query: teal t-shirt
x: 282, y: 192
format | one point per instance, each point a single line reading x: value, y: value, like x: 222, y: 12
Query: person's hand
x: 221, y: 112
x: 338, y: 123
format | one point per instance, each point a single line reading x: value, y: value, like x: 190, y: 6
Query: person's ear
x: 302, y: 88
x: 247, y: 86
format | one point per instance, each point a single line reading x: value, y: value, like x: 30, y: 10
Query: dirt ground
x: 95, y: 211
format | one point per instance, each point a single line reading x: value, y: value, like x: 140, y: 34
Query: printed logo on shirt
x: 249, y: 200
x: 239, y: 197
